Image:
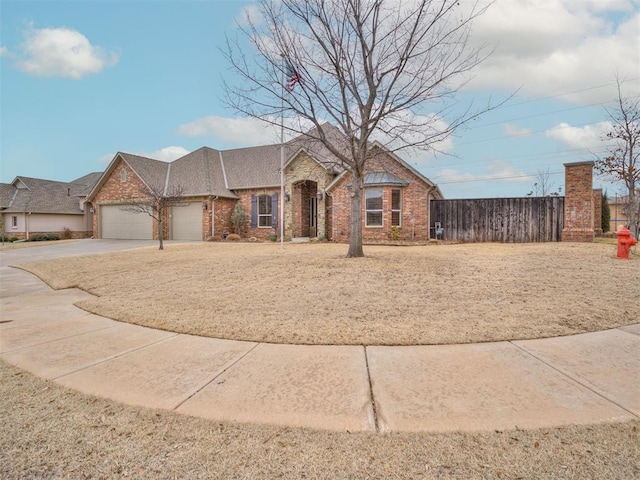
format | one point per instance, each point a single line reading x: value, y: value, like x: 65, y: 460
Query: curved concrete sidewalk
x: 581, y: 379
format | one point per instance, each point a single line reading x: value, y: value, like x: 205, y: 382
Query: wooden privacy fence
x: 508, y: 220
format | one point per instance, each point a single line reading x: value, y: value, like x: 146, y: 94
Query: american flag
x: 293, y: 77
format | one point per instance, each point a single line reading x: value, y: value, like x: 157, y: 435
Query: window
x: 396, y: 207
x: 14, y: 221
x: 264, y: 211
x: 373, y: 207
x: 123, y: 175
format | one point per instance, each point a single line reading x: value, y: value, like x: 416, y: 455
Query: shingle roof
x: 207, y: 171
x: 252, y: 167
x: 199, y: 173
x: 152, y: 172
x: 7, y: 192
x: 36, y: 195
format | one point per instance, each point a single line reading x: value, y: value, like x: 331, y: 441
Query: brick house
x: 33, y: 206
x: 316, y: 200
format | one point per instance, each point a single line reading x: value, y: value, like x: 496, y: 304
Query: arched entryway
x: 305, y: 209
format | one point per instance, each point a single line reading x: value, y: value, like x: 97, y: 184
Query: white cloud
x: 589, y: 137
x: 250, y: 15
x: 500, y: 169
x: 244, y: 131
x: 105, y: 159
x: 512, y: 130
x: 495, y: 171
x: 3, y: 51
x: 558, y: 46
x: 61, y: 52
x: 166, y: 154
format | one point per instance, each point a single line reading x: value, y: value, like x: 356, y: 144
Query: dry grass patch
x: 311, y: 294
x: 52, y: 432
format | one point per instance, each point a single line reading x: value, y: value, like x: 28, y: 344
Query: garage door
x: 186, y: 222
x: 116, y: 223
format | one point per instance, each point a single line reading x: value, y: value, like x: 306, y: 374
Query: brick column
x: 578, y: 202
x: 597, y: 212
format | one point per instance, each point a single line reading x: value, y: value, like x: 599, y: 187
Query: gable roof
x: 37, y: 195
x: 211, y: 172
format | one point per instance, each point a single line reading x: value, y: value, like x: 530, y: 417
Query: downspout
x: 26, y: 225
x: 213, y: 215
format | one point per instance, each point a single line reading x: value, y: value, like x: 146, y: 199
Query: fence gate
x: 507, y: 220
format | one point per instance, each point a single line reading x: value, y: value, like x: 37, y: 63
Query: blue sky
x: 81, y: 80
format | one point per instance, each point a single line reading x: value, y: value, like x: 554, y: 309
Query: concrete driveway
x: 581, y: 379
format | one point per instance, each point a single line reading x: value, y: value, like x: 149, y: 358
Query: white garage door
x: 186, y: 222
x: 116, y: 223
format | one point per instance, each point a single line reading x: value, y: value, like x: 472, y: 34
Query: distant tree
x: 606, y: 212
x: 623, y: 159
x: 239, y: 219
x: 544, y: 186
x: 155, y: 201
x: 369, y: 67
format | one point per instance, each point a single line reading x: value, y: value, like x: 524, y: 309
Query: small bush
x: 273, y: 238
x: 215, y: 238
x: 66, y: 233
x: 38, y: 237
x: 52, y: 236
x: 395, y: 233
x: 239, y: 219
x: 233, y: 237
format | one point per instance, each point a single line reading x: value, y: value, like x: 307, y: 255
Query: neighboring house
x: 31, y: 206
x: 317, y: 197
x: 618, y: 207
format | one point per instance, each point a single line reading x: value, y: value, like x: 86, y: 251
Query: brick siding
x: 578, y: 203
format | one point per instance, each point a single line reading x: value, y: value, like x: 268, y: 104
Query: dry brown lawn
x: 311, y: 294
x: 50, y: 432
x: 462, y: 292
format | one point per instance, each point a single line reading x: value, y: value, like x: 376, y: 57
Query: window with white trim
x: 396, y: 207
x: 373, y: 207
x: 264, y: 211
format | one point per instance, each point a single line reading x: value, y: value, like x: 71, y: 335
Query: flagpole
x: 282, y: 156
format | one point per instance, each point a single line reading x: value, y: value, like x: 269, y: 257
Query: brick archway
x: 305, y: 209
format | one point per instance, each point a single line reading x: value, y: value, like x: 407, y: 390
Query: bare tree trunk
x: 355, y: 226
x: 160, y: 233
x: 633, y: 212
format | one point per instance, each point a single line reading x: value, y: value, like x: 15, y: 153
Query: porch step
x: 300, y: 239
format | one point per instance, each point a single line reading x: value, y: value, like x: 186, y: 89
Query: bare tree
x: 155, y: 202
x: 622, y: 161
x: 544, y: 186
x: 382, y: 70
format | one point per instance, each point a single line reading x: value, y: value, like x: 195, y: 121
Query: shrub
x: 233, y: 237
x: 273, y: 238
x: 66, y: 233
x: 215, y: 238
x: 38, y: 237
x: 239, y: 219
x: 395, y: 233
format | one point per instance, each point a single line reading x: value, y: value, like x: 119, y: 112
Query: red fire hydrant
x: 625, y: 242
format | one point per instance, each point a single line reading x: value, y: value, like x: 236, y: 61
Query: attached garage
x: 119, y: 224
x: 186, y: 222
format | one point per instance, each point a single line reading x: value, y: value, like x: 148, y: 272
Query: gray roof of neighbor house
x: 36, y: 195
x: 7, y: 192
